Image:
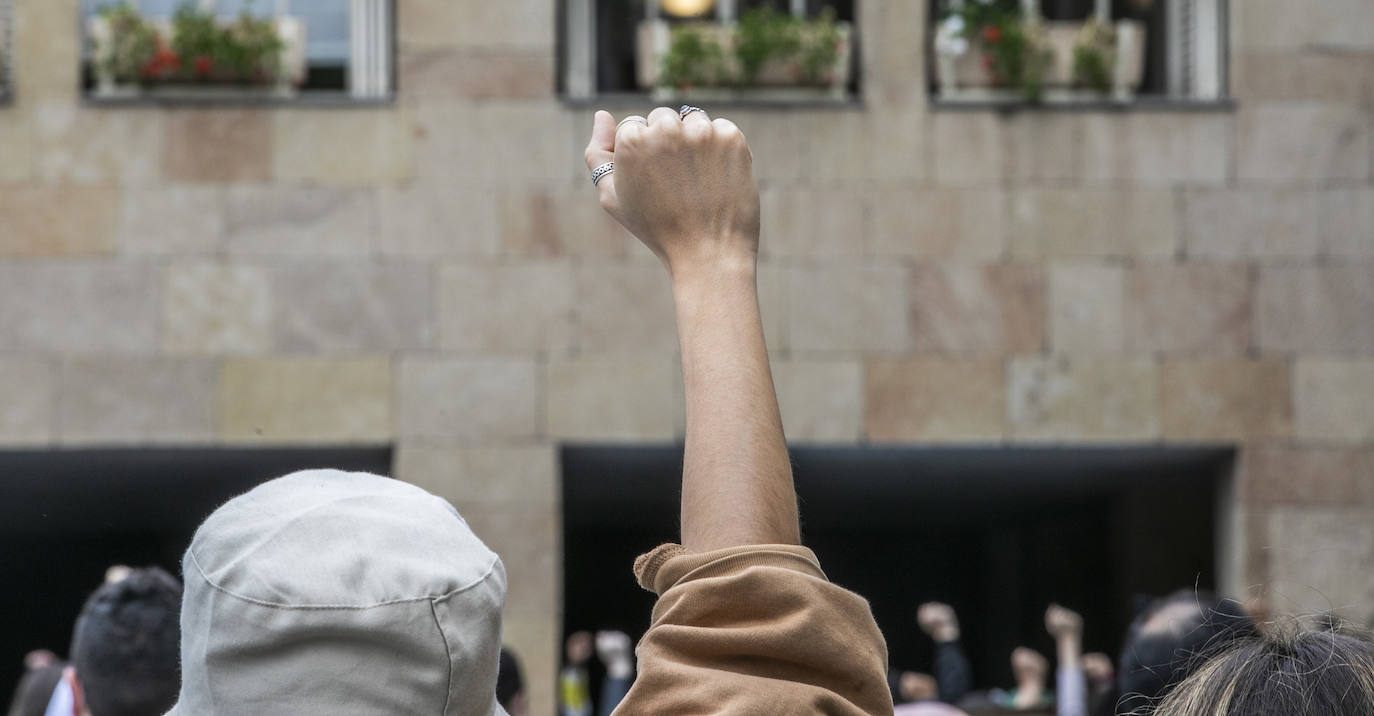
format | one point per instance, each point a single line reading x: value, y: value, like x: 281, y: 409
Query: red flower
x: 992, y: 34
x: 203, y: 65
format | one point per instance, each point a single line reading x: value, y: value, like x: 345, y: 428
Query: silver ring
x: 687, y: 109
x: 640, y: 120
x: 600, y: 172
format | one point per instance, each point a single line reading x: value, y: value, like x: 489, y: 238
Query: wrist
x: 713, y: 268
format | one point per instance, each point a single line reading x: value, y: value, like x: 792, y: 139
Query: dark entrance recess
x: 998, y: 533
x: 66, y: 516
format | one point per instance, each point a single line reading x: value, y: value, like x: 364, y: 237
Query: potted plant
x: 1005, y: 50
x: 195, y: 53
x: 767, y: 54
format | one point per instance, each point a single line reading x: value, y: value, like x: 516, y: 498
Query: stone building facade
x: 436, y: 274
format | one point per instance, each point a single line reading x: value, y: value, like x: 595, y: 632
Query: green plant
x: 133, y: 44
x: 693, y: 58
x: 1093, y: 56
x: 1016, y: 53
x: 249, y: 50
x: 763, y: 37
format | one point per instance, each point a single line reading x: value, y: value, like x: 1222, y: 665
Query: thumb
x: 601, y: 148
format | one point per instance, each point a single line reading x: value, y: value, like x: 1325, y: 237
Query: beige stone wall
x: 436, y: 274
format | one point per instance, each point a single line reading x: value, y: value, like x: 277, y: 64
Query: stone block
x: 1322, y: 309
x: 332, y: 307
x: 83, y: 145
x: 1303, y: 142
x: 1189, y: 309
x: 965, y: 309
x: 219, y: 145
x: 509, y: 308
x: 894, y: 38
x: 448, y: 74
x: 309, y: 146
x: 526, y: 537
x: 508, y: 24
x: 538, y: 222
x: 170, y: 220
x: 1334, y: 401
x: 1072, y: 223
x: 454, y: 143
x: 935, y: 400
x: 468, y: 399
x: 1044, y: 147
x: 848, y: 308
x: 136, y: 401
x: 806, y: 222
x: 27, y: 393
x: 287, y: 221
x: 1317, y: 560
x: 1100, y: 400
x: 79, y: 307
x: 968, y: 148
x: 214, y: 309
x: 623, y: 308
x: 58, y: 220
x: 306, y: 401
x: 1087, y: 308
x: 965, y: 224
x: 782, y: 150
x: 47, y: 47
x: 498, y: 476
x: 434, y: 220
x: 604, y: 399
x: 1288, y: 475
x: 821, y: 401
x: 1226, y: 400
x: 537, y: 640
x: 1157, y: 149
x: 1345, y: 222
x: 864, y: 146
x: 1286, y: 25
x: 1303, y: 76
x: 16, y: 136
x: 1250, y: 223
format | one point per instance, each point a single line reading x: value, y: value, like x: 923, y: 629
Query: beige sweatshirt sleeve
x: 754, y: 630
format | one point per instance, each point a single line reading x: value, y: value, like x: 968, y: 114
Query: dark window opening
x: 997, y: 533
x: 67, y: 516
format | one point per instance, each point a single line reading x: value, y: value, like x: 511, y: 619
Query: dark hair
x: 125, y: 645
x: 1288, y: 671
x: 35, y: 689
x: 508, y: 681
x: 1170, y: 639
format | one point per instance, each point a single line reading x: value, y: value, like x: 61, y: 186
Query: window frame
x: 1208, y: 89
x: 344, y: 98
x: 6, y: 52
x: 577, y: 42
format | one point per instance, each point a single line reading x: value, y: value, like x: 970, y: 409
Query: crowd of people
x: 325, y: 593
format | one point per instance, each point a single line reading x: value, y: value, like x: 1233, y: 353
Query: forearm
x: 737, y: 478
x: 1070, y: 651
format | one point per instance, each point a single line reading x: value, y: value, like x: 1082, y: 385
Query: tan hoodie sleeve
x: 754, y: 630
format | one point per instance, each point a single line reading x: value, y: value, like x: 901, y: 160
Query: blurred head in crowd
x: 1171, y: 638
x: 124, y: 647
x: 1287, y: 671
x: 42, y: 671
x: 510, y: 686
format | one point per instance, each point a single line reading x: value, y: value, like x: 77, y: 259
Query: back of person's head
x: 1287, y: 671
x: 326, y: 593
x: 124, y: 646
x: 1170, y: 638
x: 35, y: 689
x: 510, y: 685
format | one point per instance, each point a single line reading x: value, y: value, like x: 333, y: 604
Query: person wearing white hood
x: 354, y: 595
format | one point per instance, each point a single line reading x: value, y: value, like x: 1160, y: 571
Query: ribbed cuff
x: 670, y: 564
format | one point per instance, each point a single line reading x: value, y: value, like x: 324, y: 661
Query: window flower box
x: 766, y: 56
x: 195, y: 55
x: 996, y: 51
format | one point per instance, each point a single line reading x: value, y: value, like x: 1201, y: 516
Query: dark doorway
x: 66, y: 516
x: 997, y: 533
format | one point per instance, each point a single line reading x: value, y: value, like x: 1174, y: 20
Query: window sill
x: 325, y: 100
x: 639, y: 101
x: 1079, y: 103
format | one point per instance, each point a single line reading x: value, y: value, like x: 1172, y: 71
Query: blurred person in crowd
x: 574, y: 683
x: 292, y: 585
x: 1071, y: 686
x: 953, y: 675
x: 124, y: 648
x: 1097, y: 667
x: 1170, y: 638
x: 510, y: 685
x: 616, y: 653
x: 42, y: 672
x: 1287, y: 671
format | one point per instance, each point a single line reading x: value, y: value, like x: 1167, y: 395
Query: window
x: 5, y: 44
x: 236, y: 49
x: 1077, y: 51
x: 710, y: 50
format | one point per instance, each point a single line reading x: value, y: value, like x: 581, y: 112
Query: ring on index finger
x: 637, y: 119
